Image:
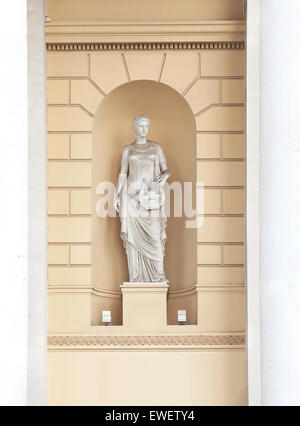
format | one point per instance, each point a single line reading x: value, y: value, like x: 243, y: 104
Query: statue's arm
x: 122, y: 178
x: 164, y: 171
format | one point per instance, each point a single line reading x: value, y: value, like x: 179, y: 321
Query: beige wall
x: 212, y: 88
x: 145, y: 10
x: 148, y: 378
x: 196, y: 101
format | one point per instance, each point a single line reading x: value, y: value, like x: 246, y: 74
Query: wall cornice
x: 114, y: 294
x: 103, y: 34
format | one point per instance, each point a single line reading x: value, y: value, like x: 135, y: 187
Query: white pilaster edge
x: 37, y: 193
x: 252, y: 201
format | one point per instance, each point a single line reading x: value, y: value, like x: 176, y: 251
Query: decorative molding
x: 213, y: 45
x: 141, y: 341
x: 144, y: 32
x: 114, y: 294
x: 172, y: 294
x: 220, y: 288
x: 111, y: 294
x: 69, y: 289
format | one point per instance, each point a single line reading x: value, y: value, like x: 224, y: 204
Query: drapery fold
x: 143, y: 231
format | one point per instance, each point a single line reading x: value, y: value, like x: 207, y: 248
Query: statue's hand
x: 162, y: 178
x: 117, y: 203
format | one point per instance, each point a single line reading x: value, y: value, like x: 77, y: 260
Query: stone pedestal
x: 144, y: 305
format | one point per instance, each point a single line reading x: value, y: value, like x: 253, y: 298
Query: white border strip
x: 37, y: 225
x: 253, y: 196
x: 13, y: 204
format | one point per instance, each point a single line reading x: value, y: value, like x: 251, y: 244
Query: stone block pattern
x: 212, y: 82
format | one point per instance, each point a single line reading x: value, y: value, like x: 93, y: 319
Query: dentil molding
x: 231, y: 45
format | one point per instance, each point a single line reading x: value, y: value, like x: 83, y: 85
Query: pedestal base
x: 144, y: 305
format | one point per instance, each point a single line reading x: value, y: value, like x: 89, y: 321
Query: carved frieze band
x: 227, y: 45
x: 198, y: 340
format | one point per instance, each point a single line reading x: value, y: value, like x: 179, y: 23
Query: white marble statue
x: 139, y: 199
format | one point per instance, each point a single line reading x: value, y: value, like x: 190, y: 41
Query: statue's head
x: 141, y: 125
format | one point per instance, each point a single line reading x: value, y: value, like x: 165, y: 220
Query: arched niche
x: 173, y: 126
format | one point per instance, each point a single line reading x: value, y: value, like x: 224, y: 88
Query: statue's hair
x: 139, y: 118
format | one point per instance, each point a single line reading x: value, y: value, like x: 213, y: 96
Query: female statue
x: 139, y: 199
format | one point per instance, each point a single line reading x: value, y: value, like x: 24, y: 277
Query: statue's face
x: 142, y: 128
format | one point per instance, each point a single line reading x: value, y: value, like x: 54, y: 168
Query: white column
x: 253, y: 196
x: 280, y: 202
x: 23, y: 205
x: 37, y: 220
x: 13, y: 204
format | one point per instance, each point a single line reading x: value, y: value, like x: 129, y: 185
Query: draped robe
x: 143, y: 231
